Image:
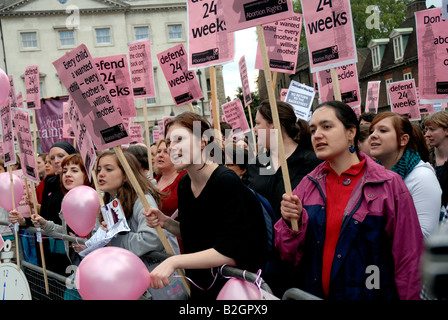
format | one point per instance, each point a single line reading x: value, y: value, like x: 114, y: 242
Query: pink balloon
x: 237, y: 289
x: 112, y: 273
x: 5, y: 190
x: 79, y: 208
x: 4, y: 86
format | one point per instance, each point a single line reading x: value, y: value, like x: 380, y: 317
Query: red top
x: 169, y: 202
x: 338, y: 194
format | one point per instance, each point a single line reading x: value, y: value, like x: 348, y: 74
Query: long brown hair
x: 126, y: 193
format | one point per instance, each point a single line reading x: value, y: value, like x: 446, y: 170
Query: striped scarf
x: 407, y: 163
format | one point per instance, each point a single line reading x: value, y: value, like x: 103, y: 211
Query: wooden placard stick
x: 252, y: 130
x: 274, y: 80
x: 215, y: 110
x: 41, y: 246
x: 191, y: 107
x: 148, y: 142
x: 98, y: 191
x: 335, y: 82
x: 130, y: 175
x: 14, y: 208
x: 275, y: 117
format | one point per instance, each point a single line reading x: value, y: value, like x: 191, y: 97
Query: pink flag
x: 9, y: 155
x: 282, y: 44
x: 329, y: 34
x: 243, y: 14
x: 77, y: 72
x: 142, y: 73
x: 432, y: 36
x: 32, y: 87
x: 348, y: 84
x: 209, y: 43
x: 373, y: 93
x: 115, y: 73
x: 23, y: 133
x: 183, y: 84
x: 234, y: 114
x: 245, y: 81
x: 403, y: 98
x: 83, y: 140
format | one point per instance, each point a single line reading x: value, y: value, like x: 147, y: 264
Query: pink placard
x: 142, y: 73
x: 209, y: 43
x: 22, y: 129
x: 329, y: 34
x: 12, y: 92
x: 136, y: 133
x: 9, y: 155
x: 19, y: 99
x: 183, y: 84
x: 424, y: 108
x: 243, y: 14
x: 283, y: 94
x: 348, y: 84
x: 234, y: 114
x: 67, y: 130
x: 432, y: 33
x: 32, y: 87
x: 372, y: 97
x: 282, y: 44
x: 83, y: 140
x: 403, y: 98
x: 115, y: 73
x: 245, y: 81
x: 23, y: 206
x: 77, y: 71
x: 155, y: 135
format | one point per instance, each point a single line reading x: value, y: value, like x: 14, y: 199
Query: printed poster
x: 32, y: 87
x: 432, y: 48
x: 209, y: 42
x: 9, y: 155
x: 243, y: 14
x: 282, y: 44
x: 182, y: 82
x: 136, y: 133
x: 244, y: 81
x: 78, y: 73
x: 235, y: 116
x: 373, y: 93
x: 142, y: 73
x: 301, y: 97
x: 12, y: 92
x: 329, y: 34
x: 403, y: 98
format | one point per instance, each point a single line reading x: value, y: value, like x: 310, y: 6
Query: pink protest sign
x: 136, y: 133
x: 67, y: 130
x: 432, y: 39
x: 245, y: 81
x: 282, y: 44
x: 283, y: 94
x: 348, y: 84
x: 83, y: 140
x: 19, y: 99
x: 426, y: 107
x: 234, y: 114
x: 115, y: 73
x: 209, y: 43
x: 142, y: 74
x: 373, y: 93
x: 183, y: 84
x: 12, y: 92
x: 22, y: 129
x: 32, y: 87
x: 403, y: 98
x: 243, y: 14
x: 9, y: 155
x: 329, y: 34
x: 77, y: 72
x: 23, y: 206
x: 155, y: 135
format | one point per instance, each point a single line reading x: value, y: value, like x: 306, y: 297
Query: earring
x: 351, y: 148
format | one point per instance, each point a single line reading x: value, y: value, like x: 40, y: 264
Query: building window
x: 387, y: 89
x: 398, y: 48
x: 29, y: 40
x: 42, y: 89
x: 103, y: 36
x: 141, y: 33
x: 407, y: 76
x: 151, y: 100
x: 376, y: 57
x: 175, y: 32
x: 66, y: 38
